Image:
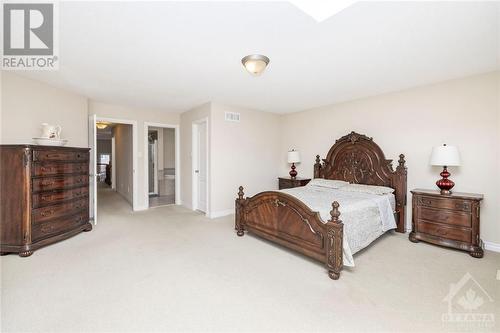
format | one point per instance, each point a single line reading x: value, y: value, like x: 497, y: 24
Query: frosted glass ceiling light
x: 255, y: 63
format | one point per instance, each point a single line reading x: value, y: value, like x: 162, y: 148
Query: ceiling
x: 178, y: 55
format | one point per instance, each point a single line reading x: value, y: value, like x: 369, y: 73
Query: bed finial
x: 240, y: 193
x: 402, y: 160
x: 335, y: 213
x: 318, y: 160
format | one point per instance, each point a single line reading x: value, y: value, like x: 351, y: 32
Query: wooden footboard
x: 285, y: 220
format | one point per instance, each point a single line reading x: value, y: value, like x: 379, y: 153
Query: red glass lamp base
x: 292, y: 172
x: 444, y: 183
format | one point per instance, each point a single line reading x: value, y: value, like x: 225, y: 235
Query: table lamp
x: 293, y: 157
x: 445, y: 156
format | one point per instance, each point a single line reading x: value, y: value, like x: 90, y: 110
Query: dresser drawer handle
x: 53, y: 156
x: 47, y: 183
x: 47, y: 228
x: 78, y: 156
x: 47, y: 197
x: 47, y: 212
x: 79, y: 181
x: 426, y: 202
x: 442, y: 232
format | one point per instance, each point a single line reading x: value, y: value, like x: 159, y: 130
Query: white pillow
x: 328, y: 183
x: 372, y: 189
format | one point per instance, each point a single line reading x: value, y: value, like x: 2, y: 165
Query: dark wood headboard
x: 357, y: 159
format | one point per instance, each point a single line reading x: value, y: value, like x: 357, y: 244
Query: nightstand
x: 287, y: 182
x: 447, y: 220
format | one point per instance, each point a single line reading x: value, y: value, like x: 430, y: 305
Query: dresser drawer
x: 443, y: 231
x: 53, y: 227
x: 444, y: 216
x: 56, y: 211
x: 59, y: 183
x: 57, y: 155
x: 51, y: 169
x: 446, y: 203
x: 52, y: 198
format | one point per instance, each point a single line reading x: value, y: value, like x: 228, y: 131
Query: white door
x: 93, y: 170
x: 201, y: 170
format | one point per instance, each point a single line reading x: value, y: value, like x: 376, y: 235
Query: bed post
x: 334, y: 250
x: 399, y: 184
x: 239, y: 223
x: 317, y: 167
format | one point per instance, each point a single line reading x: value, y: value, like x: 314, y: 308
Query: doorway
x: 113, y: 161
x: 200, y: 166
x: 162, y: 164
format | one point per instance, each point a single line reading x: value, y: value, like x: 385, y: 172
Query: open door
x: 93, y: 170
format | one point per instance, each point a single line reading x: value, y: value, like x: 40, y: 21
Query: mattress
x: 365, y: 216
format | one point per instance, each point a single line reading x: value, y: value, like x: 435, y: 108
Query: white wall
x: 124, y: 161
x: 140, y: 115
x: 243, y: 153
x: 27, y: 103
x: 168, y: 148
x: 463, y: 112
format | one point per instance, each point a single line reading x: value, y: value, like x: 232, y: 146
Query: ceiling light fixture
x: 101, y: 125
x: 255, y: 63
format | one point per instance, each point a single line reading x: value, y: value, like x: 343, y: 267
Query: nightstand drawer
x: 285, y: 182
x: 443, y: 231
x: 456, y: 218
x: 446, y: 203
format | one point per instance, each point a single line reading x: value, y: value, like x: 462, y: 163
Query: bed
x: 308, y: 219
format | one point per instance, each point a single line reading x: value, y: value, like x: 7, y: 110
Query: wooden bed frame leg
x: 239, y: 224
x: 334, y: 250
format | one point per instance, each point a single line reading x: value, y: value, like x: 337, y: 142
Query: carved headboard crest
x: 356, y: 158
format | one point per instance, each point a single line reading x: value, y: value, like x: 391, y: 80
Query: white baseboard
x: 139, y: 208
x: 221, y: 213
x: 495, y: 247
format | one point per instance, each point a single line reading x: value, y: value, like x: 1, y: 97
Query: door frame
x: 113, y: 163
x: 155, y: 168
x: 135, y: 206
x: 194, y: 154
x: 176, y: 128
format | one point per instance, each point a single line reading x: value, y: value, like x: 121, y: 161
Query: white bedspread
x: 365, y: 216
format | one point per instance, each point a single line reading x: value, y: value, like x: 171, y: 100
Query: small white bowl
x: 50, y: 142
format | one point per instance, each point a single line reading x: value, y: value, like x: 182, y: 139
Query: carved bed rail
x: 283, y: 219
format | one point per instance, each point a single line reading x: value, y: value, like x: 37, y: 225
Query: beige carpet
x: 169, y: 269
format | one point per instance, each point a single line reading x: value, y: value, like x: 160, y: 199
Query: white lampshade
x: 293, y: 156
x: 445, y: 156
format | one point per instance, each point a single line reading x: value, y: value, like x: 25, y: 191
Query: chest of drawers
x: 447, y: 220
x: 44, y: 196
